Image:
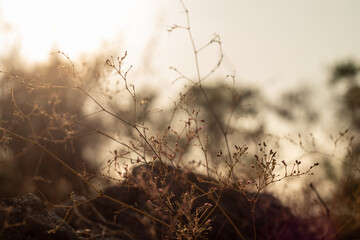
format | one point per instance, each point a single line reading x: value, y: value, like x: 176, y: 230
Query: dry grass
x: 162, y: 193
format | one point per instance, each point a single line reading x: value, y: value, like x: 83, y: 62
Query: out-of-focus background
x: 294, y: 65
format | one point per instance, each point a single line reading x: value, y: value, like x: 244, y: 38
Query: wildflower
x: 207, y: 204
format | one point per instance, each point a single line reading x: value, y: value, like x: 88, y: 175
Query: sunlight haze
x: 278, y: 41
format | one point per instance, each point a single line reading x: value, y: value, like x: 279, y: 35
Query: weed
x: 157, y: 186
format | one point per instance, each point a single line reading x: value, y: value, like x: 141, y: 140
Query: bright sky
x: 74, y: 27
x: 279, y: 41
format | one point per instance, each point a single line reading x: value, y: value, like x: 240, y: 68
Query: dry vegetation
x: 151, y: 188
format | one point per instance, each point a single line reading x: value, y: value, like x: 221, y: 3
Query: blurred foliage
x: 41, y: 104
x: 345, y: 202
x: 348, y: 72
x: 221, y: 109
x: 345, y: 71
x: 296, y: 106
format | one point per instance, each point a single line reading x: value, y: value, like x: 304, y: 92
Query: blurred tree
x: 348, y: 72
x: 347, y: 198
x: 345, y: 71
x: 222, y: 110
x: 41, y: 104
x: 296, y: 106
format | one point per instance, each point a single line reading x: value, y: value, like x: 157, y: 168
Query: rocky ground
x: 29, y: 218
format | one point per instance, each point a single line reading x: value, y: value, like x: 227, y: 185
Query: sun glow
x: 36, y: 28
